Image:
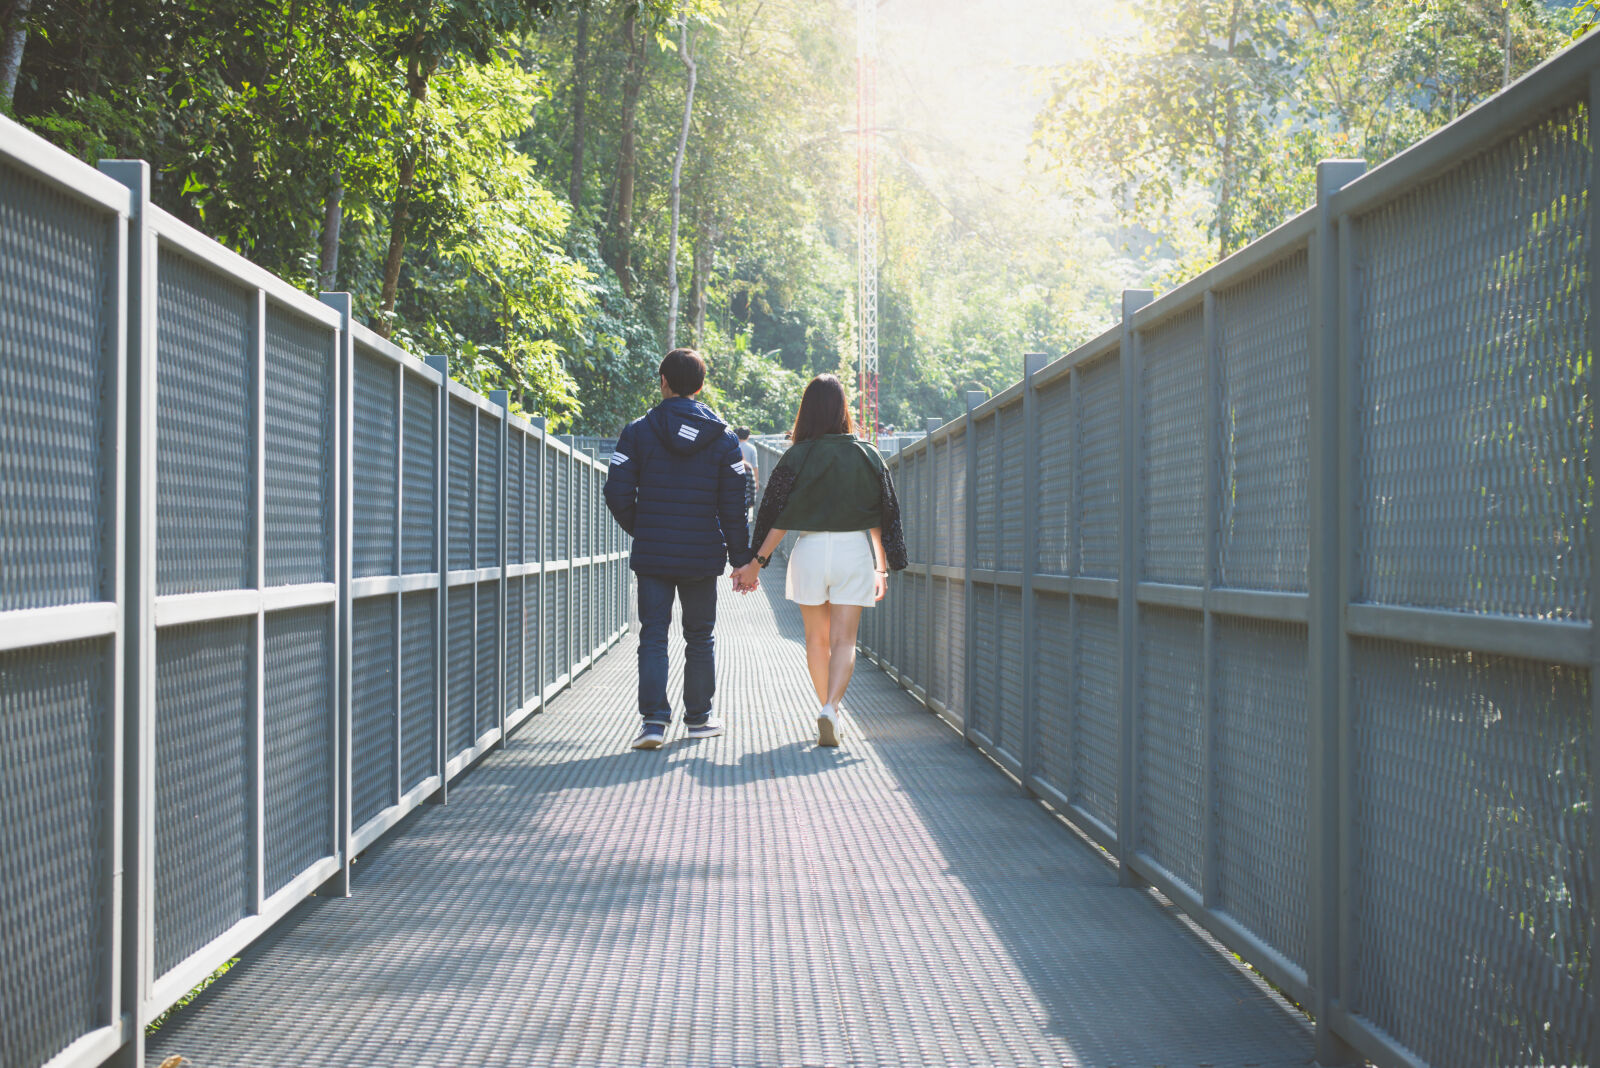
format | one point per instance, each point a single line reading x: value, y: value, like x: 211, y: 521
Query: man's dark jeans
x: 699, y: 599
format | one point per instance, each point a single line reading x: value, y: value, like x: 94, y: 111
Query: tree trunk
x: 632, y: 83
x: 417, y: 76
x: 705, y: 261
x: 11, y: 50
x: 580, y: 92
x: 332, y: 218
x: 677, y: 185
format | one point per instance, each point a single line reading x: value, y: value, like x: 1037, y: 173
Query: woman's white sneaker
x: 827, y: 727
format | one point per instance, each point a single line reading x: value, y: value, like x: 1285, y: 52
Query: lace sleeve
x: 894, y: 535
x: 773, y: 501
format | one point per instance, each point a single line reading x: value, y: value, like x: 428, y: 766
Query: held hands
x: 747, y: 578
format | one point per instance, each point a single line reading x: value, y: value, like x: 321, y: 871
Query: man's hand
x: 747, y: 578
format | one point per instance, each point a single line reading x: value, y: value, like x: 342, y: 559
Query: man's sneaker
x: 827, y: 727
x: 651, y: 735
x: 710, y: 728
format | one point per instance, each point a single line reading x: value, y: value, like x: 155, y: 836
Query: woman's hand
x: 880, y: 585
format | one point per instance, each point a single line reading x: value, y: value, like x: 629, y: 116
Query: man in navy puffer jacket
x: 677, y: 485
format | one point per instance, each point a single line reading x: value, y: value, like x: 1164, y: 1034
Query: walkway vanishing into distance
x: 744, y: 900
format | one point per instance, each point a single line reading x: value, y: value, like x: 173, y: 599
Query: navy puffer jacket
x: 677, y: 485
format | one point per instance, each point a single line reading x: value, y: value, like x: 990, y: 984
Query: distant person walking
x: 677, y: 485
x: 833, y: 491
x: 752, y: 481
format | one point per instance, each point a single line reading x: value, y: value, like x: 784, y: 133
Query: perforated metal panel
x: 463, y: 484
x: 297, y: 730
x: 1011, y: 508
x: 1261, y: 799
x: 564, y: 539
x: 1098, y: 472
x: 939, y: 640
x: 554, y: 585
x: 56, y: 273
x: 957, y: 483
x: 54, y: 797
x: 1095, y: 730
x: 488, y: 502
x: 942, y: 514
x: 299, y: 443
x: 1474, y: 381
x: 205, y: 718
x: 489, y: 659
x: 553, y: 465
x: 956, y: 651
x: 985, y: 552
x: 374, y: 709
x: 1008, y: 608
x: 419, y: 724
x: 376, y: 442
x: 1261, y: 440
x: 205, y: 452
x: 1472, y: 781
x: 516, y: 494
x: 513, y: 653
x: 1057, y: 461
x: 1053, y: 685
x: 1171, y: 740
x: 986, y: 666
x: 421, y: 459
x: 530, y: 638
x: 1172, y: 460
x: 460, y: 619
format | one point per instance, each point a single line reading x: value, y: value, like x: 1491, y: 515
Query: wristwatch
x: 763, y: 560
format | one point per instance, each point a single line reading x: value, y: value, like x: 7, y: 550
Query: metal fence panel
x: 1173, y: 450
x: 299, y: 449
x: 1010, y: 506
x: 1094, y: 738
x: 1170, y: 741
x: 986, y: 551
x: 298, y: 742
x: 1057, y: 465
x: 1097, y: 473
x: 376, y: 494
x: 1053, y: 675
x: 419, y: 687
x: 419, y: 475
x: 374, y: 707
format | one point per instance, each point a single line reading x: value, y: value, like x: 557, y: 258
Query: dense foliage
x: 494, y: 178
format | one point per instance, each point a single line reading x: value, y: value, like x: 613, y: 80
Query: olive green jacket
x: 833, y: 483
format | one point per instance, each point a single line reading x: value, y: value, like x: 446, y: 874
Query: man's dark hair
x: 741, y: 432
x: 685, y: 371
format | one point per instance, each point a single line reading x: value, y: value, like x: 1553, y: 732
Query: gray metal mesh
x: 1057, y: 448
x: 1172, y: 463
x: 1098, y: 471
x: 299, y: 450
x: 56, y: 272
x: 419, y: 691
x: 553, y: 463
x: 1095, y: 716
x: 463, y: 484
x: 529, y: 624
x: 374, y: 706
x: 516, y: 496
x: 513, y: 653
x: 1012, y: 508
x: 1472, y: 783
x: 939, y: 640
x: 376, y: 442
x: 1053, y: 675
x: 488, y: 499
x: 987, y: 503
x: 1261, y: 438
x: 1474, y: 384
x: 297, y: 734
x: 1171, y: 740
x: 459, y: 656
x: 956, y: 481
x: 206, y: 701
x: 956, y: 652
x: 986, y: 669
x: 205, y: 465
x: 1261, y: 785
x: 563, y: 508
x: 421, y: 459
x: 532, y: 501
x: 562, y: 623
x: 943, y: 517
x: 486, y: 714
x: 54, y: 872
x: 1008, y: 608
x: 554, y: 585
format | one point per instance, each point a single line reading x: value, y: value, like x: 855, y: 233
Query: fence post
x: 441, y: 519
x: 927, y: 507
x: 503, y: 399
x: 1593, y: 338
x: 1325, y: 583
x: 1210, y: 838
x: 930, y: 503
x: 1032, y: 364
x: 539, y: 489
x: 344, y: 617
x: 970, y: 560
x: 132, y: 887
x: 1132, y: 532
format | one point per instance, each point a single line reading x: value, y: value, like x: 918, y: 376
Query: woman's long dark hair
x: 824, y: 409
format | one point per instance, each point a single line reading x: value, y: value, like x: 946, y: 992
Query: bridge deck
x: 743, y: 900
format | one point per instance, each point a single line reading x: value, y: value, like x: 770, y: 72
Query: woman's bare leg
x: 843, y: 621
x: 816, y: 617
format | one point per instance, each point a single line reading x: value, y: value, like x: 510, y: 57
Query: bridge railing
x: 1282, y: 590
x: 267, y: 583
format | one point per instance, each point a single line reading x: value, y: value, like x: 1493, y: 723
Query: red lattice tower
x: 867, y: 213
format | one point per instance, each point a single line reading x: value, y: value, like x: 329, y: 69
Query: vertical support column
x: 1132, y: 531
x: 930, y: 496
x: 969, y: 561
x: 399, y: 417
x: 343, y: 609
x: 258, y: 727
x: 441, y: 541
x: 503, y: 399
x: 1209, y: 487
x: 540, y: 488
x: 1325, y: 583
x: 568, y: 643
x: 1028, y: 755
x: 132, y: 877
x: 1592, y: 333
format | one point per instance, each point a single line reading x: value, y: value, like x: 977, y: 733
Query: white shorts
x: 834, y: 566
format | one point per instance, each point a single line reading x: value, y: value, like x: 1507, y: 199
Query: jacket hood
x: 684, y: 425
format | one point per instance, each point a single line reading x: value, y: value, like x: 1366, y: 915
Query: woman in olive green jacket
x: 833, y: 491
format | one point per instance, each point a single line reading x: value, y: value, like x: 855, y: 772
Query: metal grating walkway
x: 744, y: 900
